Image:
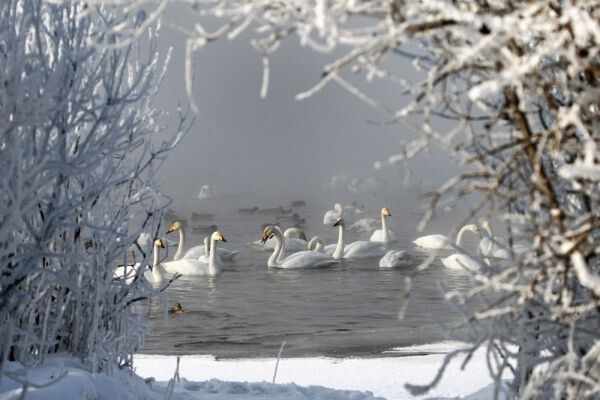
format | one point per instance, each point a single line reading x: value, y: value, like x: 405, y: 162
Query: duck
x: 395, y: 258
x: 248, y: 211
x: 192, y: 253
x: 358, y: 249
x: 384, y: 235
x: 177, y: 308
x: 301, y: 259
x: 201, y: 216
x: 440, y: 242
x: 298, y: 203
x: 188, y: 266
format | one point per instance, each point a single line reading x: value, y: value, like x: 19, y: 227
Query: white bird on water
x: 302, y: 259
x: 187, y: 266
x: 358, y: 249
x: 384, y: 235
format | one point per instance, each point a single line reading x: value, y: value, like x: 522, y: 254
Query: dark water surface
x: 350, y: 309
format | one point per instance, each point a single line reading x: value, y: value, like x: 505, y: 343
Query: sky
x: 241, y: 143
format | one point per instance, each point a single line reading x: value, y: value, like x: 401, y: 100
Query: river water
x: 349, y: 309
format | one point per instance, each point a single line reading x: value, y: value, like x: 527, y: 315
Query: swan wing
x: 461, y: 262
x: 434, y: 242
x: 193, y: 252
x: 394, y: 258
x: 364, y: 225
x: 186, y: 266
x: 377, y: 236
x: 306, y: 259
x: 364, y: 249
x: 225, y: 254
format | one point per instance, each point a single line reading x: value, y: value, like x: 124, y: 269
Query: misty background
x: 241, y: 143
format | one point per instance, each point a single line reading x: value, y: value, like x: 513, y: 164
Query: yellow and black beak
x: 161, y: 243
x: 387, y: 212
x: 222, y: 238
x: 172, y: 228
x: 338, y: 222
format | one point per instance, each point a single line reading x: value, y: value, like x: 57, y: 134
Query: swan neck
x: 206, y: 247
x: 181, y: 244
x: 155, y: 255
x: 339, y: 248
x: 384, y: 228
x: 460, y: 236
x: 212, y: 257
x: 279, y: 248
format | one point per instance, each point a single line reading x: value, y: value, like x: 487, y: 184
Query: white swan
x: 302, y: 259
x: 156, y: 273
x: 395, y: 258
x: 192, y: 253
x: 490, y: 247
x: 332, y: 215
x: 295, y: 240
x: 358, y: 249
x: 365, y: 225
x: 187, y: 266
x: 206, y: 192
x: 316, y: 244
x: 462, y: 261
x: 384, y: 234
x: 223, y: 254
x: 438, y: 242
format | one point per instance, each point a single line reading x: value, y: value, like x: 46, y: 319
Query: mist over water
x: 266, y: 153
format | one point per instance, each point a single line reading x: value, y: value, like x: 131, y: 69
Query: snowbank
x: 204, y: 378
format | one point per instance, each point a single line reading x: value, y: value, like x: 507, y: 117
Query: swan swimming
x: 365, y: 225
x: 383, y: 235
x: 332, y: 215
x: 462, y: 261
x: 316, y: 244
x: 358, y: 249
x: 223, y: 254
x: 490, y: 247
x: 438, y: 242
x: 295, y: 240
x: 187, y: 266
x: 395, y: 258
x: 302, y: 259
x: 155, y: 274
x: 192, y: 253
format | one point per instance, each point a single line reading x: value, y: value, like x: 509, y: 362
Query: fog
x: 241, y: 143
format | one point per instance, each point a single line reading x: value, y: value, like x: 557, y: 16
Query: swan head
x: 175, y: 226
x: 159, y: 243
x: 218, y: 236
x: 339, y: 222
x: 314, y: 243
x: 386, y: 212
x: 267, y: 233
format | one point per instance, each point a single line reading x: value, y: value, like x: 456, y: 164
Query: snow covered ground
x: 204, y: 378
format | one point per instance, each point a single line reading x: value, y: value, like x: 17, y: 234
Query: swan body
x: 395, y: 258
x: 222, y: 254
x: 364, y: 225
x: 302, y: 259
x: 384, y: 234
x: 439, y: 242
x: 155, y: 274
x: 358, y: 249
x: 332, y: 215
x: 206, y: 192
x: 295, y: 240
x: 192, y: 253
x: 187, y: 266
x: 489, y: 247
x: 462, y: 261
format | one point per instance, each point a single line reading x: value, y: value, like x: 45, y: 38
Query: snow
x: 205, y: 378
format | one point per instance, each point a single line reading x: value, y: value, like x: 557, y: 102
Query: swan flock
x: 291, y: 249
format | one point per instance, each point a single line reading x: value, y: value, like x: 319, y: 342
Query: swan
x: 364, y: 225
x: 462, y: 261
x: 395, y: 258
x: 358, y: 249
x: 316, y: 244
x: 189, y: 266
x: 490, y: 247
x: 384, y: 234
x: 302, y: 259
x: 206, y: 192
x: 332, y: 215
x: 295, y: 240
x: 155, y: 274
x: 223, y: 254
x: 192, y: 253
x: 438, y: 242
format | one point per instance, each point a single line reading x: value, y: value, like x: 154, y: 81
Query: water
x: 350, y: 309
